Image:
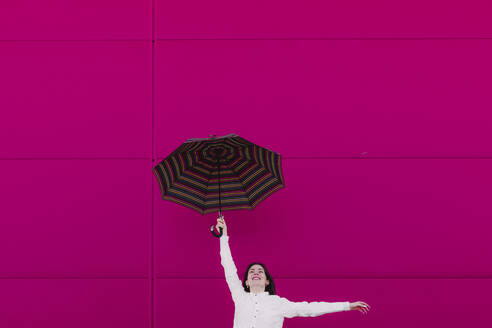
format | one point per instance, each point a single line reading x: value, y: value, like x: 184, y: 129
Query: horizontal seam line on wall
x: 246, y: 39
x: 322, y: 39
x: 221, y: 278
x: 38, y: 277
x: 314, y: 278
x: 395, y: 157
x: 73, y: 158
x: 80, y: 40
x: 143, y: 158
x: 362, y: 157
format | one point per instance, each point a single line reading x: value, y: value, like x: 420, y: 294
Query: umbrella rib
x: 241, y: 183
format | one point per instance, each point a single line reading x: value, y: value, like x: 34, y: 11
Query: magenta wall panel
x: 350, y: 98
x: 75, y: 218
x: 347, y: 218
x: 75, y: 20
x: 77, y: 303
x: 321, y: 19
x: 405, y: 303
x: 76, y: 99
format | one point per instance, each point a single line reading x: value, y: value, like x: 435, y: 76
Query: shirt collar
x: 259, y: 294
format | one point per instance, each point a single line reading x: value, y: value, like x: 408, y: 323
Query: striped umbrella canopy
x: 219, y: 173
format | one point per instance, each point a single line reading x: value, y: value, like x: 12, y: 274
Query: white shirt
x: 263, y: 310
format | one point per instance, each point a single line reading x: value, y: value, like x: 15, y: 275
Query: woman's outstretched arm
x: 310, y: 309
x: 230, y: 270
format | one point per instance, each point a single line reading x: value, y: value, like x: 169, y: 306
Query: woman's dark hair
x: 270, y: 288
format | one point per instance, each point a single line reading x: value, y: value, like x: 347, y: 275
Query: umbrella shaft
x: 218, y: 173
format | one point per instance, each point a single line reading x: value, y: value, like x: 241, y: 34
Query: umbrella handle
x: 214, y: 233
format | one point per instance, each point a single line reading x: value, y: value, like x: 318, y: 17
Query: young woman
x: 255, y: 299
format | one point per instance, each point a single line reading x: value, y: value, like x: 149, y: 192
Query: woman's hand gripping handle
x: 221, y: 226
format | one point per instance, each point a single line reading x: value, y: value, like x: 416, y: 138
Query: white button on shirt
x: 263, y: 310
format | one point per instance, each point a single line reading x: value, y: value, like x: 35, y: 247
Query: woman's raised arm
x: 230, y: 270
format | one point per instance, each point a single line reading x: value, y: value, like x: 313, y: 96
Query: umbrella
x: 219, y: 173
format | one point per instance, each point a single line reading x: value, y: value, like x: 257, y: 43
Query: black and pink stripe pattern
x: 248, y: 174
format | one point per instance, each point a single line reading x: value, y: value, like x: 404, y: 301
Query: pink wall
x: 381, y: 110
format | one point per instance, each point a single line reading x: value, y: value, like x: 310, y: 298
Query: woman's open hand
x: 221, y: 224
x: 361, y: 306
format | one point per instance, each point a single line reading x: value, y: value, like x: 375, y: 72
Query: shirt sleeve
x: 230, y: 270
x: 310, y: 309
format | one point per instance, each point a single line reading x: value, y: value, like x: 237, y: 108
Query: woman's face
x: 257, y: 277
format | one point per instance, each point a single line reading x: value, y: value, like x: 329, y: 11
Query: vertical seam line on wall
x: 152, y: 256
